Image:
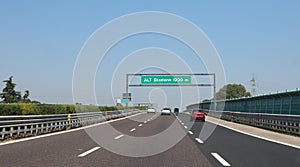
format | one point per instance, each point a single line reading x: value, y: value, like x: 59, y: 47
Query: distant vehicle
x: 151, y: 110
x: 176, y: 111
x: 166, y: 111
x: 198, y: 114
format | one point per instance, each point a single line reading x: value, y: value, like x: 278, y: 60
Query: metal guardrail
x: 22, y: 126
x: 284, y: 123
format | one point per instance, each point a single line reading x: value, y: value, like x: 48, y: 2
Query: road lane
x: 234, y: 148
x: 78, y: 149
x: 124, y: 126
x: 184, y: 153
x: 243, y: 150
x: 58, y: 150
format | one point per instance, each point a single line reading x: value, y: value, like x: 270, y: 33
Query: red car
x: 198, y: 114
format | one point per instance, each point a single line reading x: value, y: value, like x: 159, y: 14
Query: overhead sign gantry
x: 176, y: 79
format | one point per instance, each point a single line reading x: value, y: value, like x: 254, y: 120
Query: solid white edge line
x: 140, y: 125
x: 259, y: 137
x: 199, y: 140
x: 131, y: 130
x: 89, y: 151
x: 63, y: 132
x: 220, y: 159
x: 118, y: 137
x: 191, y: 133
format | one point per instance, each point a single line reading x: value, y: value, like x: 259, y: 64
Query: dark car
x: 198, y: 114
x: 176, y: 111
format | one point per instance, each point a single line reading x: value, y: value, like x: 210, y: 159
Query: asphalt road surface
x: 223, y: 147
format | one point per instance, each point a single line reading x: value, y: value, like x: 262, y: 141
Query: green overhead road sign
x: 166, y: 79
x: 125, y: 100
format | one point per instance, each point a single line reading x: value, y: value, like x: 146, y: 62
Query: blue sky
x: 40, y: 41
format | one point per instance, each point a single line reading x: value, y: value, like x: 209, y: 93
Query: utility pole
x: 126, y: 90
x: 253, y: 85
x: 215, y: 90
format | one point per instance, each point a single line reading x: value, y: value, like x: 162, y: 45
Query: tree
x: 9, y: 95
x: 231, y: 91
x: 25, y: 97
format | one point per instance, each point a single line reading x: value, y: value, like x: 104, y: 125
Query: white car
x: 151, y: 110
x: 166, y: 111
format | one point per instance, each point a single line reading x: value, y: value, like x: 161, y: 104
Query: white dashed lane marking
x: 191, y: 133
x: 140, y: 125
x: 118, y: 137
x: 132, y: 130
x: 88, y: 152
x: 199, y: 140
x: 220, y: 159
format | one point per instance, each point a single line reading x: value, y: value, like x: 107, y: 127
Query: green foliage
x: 44, y: 109
x: 141, y: 107
x: 28, y: 109
x: 10, y: 109
x: 25, y: 97
x: 35, y: 102
x: 83, y: 108
x: 14, y: 104
x: 206, y: 100
x: 34, y: 109
x: 9, y: 95
x: 108, y: 108
x: 231, y: 91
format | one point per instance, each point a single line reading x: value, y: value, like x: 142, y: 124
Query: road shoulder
x: 280, y: 138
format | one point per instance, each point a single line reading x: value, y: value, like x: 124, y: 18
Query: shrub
x: 44, y: 109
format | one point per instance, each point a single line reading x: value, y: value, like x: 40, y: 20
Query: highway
x: 76, y: 148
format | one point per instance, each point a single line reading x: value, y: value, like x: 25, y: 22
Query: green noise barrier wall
x: 280, y: 103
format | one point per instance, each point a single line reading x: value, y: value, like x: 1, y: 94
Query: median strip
x: 220, y: 159
x: 88, y: 152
